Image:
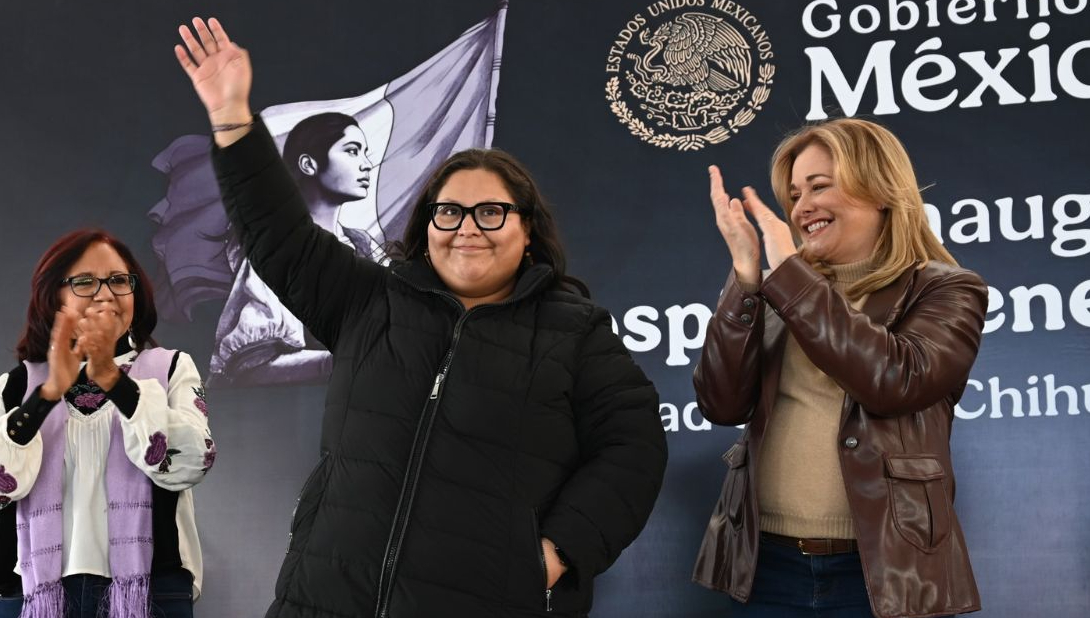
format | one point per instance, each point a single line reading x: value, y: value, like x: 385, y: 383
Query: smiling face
x: 479, y: 267
x: 101, y: 260
x: 348, y: 171
x: 834, y: 228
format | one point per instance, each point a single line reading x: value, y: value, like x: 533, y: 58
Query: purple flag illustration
x: 382, y: 144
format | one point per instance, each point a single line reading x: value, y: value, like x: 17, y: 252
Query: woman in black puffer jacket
x: 488, y: 445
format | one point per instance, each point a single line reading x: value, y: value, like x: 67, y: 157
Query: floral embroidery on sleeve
x: 209, y: 455
x: 8, y: 484
x: 158, y: 453
x: 199, y: 401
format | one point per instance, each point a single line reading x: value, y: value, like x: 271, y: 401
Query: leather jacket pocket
x: 736, y: 487
x: 918, y: 500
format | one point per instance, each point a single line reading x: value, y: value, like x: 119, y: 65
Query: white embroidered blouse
x: 178, y: 416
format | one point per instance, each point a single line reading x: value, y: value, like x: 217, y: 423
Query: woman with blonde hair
x: 844, y: 361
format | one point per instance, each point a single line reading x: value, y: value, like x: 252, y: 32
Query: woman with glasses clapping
x: 488, y: 445
x: 104, y: 433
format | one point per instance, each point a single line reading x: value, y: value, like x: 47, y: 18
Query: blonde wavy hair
x: 871, y: 167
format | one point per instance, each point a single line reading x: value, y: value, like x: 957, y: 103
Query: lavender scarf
x: 40, y: 517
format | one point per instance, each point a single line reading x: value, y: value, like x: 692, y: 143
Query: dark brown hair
x: 545, y: 246
x: 45, y: 288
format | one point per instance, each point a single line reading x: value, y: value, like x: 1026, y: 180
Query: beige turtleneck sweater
x: 799, y: 485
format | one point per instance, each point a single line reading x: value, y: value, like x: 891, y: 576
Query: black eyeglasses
x: 487, y: 215
x: 87, y: 286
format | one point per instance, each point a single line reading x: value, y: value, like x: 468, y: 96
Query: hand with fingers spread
x: 221, y: 75
x: 741, y: 236
x: 64, y: 358
x: 775, y: 232
x: 99, y: 329
x: 737, y: 231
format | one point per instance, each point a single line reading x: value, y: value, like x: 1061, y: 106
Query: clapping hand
x: 99, y: 330
x: 64, y: 355
x: 741, y: 236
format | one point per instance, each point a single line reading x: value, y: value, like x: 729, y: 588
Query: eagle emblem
x: 687, y: 86
x: 700, y: 51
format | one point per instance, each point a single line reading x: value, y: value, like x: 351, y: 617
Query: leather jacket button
x: 851, y: 442
x: 747, y: 318
x: 748, y: 303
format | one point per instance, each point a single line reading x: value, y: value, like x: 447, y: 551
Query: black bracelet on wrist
x: 231, y: 126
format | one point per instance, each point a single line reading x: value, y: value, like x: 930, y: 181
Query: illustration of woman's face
x: 348, y: 172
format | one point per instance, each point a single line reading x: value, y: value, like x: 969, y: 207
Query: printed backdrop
x: 618, y: 106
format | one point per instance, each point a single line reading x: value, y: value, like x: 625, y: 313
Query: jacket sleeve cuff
x: 789, y: 282
x: 125, y: 395
x: 740, y: 303
x: 580, y: 542
x: 249, y: 155
x: 27, y: 420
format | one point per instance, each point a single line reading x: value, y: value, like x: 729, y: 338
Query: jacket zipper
x: 299, y: 498
x: 412, y: 474
x: 416, y: 455
x: 541, y: 560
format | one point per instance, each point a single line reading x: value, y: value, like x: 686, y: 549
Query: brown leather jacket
x: 903, y: 362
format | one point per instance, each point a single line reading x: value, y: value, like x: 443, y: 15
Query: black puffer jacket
x: 452, y: 440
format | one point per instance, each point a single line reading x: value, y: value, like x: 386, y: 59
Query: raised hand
x: 775, y: 232
x: 737, y: 231
x: 220, y: 71
x: 63, y: 358
x: 99, y: 330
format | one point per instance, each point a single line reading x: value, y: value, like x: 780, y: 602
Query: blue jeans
x: 789, y: 584
x: 10, y: 606
x: 171, y: 596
